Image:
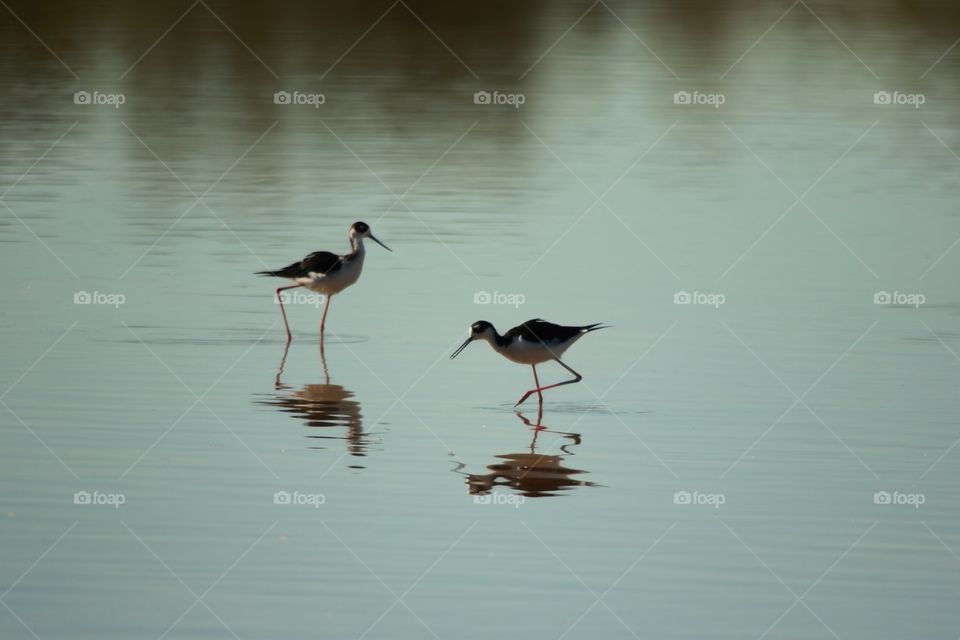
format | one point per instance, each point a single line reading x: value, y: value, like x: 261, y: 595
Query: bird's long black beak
x: 370, y: 235
x: 461, y: 348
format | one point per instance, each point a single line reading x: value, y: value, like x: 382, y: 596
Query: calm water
x: 713, y: 476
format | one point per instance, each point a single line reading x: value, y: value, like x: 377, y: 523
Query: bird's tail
x: 593, y: 327
x: 290, y: 271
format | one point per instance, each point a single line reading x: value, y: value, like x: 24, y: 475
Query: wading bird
x: 532, y: 343
x: 325, y: 272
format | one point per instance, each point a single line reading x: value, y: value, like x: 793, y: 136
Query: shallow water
x: 781, y: 399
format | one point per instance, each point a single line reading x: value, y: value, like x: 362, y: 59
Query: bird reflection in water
x: 532, y: 474
x: 324, y: 408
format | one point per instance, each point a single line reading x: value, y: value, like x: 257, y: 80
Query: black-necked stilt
x: 532, y: 342
x: 325, y: 272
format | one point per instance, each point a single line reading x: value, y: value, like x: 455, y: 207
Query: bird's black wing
x: 321, y: 262
x: 317, y: 262
x: 538, y: 330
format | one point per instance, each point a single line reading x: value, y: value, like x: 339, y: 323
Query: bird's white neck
x: 356, y: 244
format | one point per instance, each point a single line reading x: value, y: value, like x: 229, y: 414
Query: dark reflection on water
x: 288, y: 35
x: 329, y: 411
x: 532, y: 474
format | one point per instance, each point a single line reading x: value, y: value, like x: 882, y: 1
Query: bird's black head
x: 361, y: 230
x: 478, y: 327
x: 479, y: 330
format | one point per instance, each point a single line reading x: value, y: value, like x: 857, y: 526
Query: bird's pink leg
x: 323, y: 358
x: 323, y: 362
x: 286, y: 325
x: 577, y: 378
x: 283, y: 362
x: 536, y: 383
x: 323, y: 318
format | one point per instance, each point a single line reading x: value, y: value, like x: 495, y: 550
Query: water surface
x: 713, y: 476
